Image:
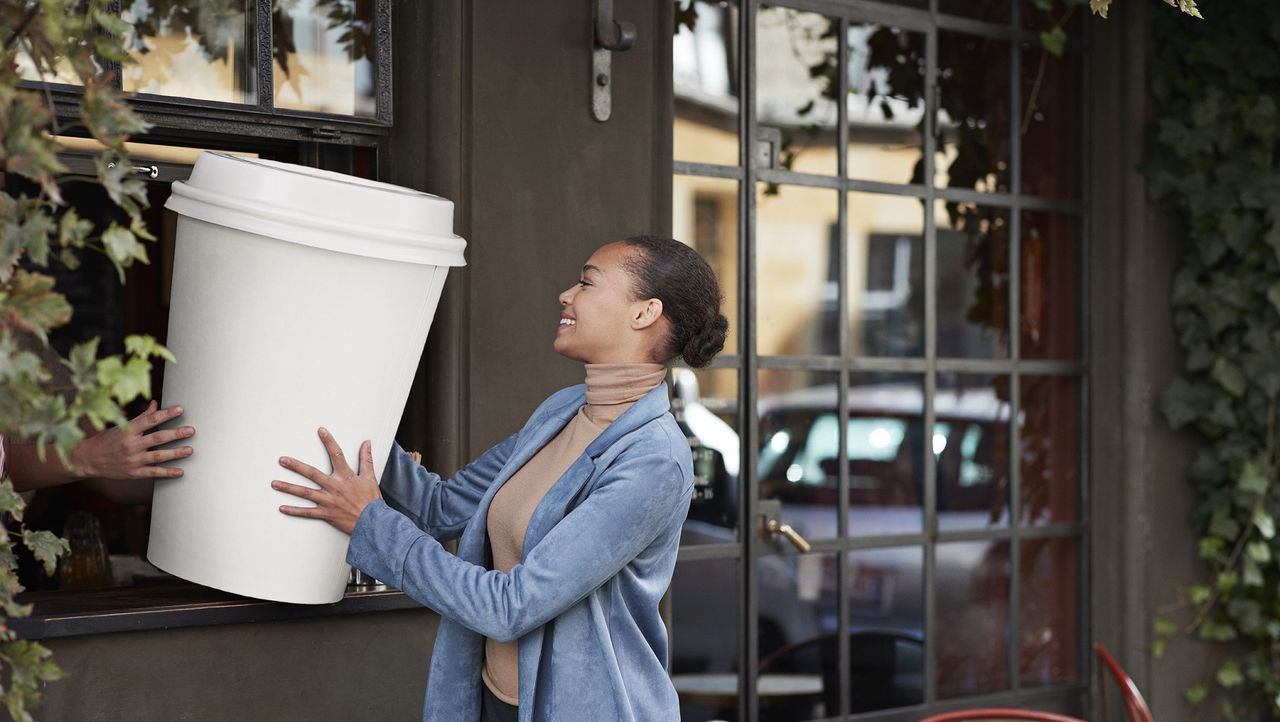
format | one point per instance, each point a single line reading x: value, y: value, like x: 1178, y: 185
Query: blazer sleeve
x: 635, y: 501
x: 440, y: 507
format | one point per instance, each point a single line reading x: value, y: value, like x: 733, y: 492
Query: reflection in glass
x: 971, y: 447
x: 973, y: 280
x: 973, y: 612
x: 324, y: 56
x: 797, y: 626
x: 704, y: 639
x: 974, y: 113
x: 1049, y: 449
x: 885, y: 103
x: 705, y: 404
x: 797, y: 83
x: 885, y: 450
x: 992, y: 11
x: 886, y: 628
x: 886, y: 275
x: 705, y: 84
x: 1041, y: 15
x: 799, y: 445
x: 704, y: 214
x: 1050, y: 122
x: 797, y: 271
x: 1050, y: 286
x: 1049, y: 611
x: 204, y: 50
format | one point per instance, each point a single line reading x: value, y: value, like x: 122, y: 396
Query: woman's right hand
x: 121, y: 453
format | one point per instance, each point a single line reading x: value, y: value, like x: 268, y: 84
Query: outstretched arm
x: 635, y: 501
x: 119, y: 462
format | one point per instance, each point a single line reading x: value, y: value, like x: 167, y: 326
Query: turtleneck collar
x: 612, y: 388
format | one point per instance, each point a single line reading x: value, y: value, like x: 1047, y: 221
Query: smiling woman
x: 581, y: 507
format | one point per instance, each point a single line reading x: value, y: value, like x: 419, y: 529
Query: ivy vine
x: 1213, y: 157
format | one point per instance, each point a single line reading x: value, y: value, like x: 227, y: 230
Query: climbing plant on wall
x: 1213, y: 161
x: 70, y: 41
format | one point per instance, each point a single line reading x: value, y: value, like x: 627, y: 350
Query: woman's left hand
x: 342, y: 495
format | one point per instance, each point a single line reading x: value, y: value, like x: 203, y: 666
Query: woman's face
x: 600, y: 320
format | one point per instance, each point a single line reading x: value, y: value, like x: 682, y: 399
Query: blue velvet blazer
x: 583, y: 603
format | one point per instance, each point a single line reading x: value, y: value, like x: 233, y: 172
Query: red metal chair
x: 1000, y: 714
x: 1134, y: 703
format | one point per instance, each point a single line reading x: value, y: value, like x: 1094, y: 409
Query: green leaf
x: 1252, y: 479
x: 1164, y: 627
x: 46, y: 547
x: 1054, y: 41
x: 1259, y: 551
x: 33, y: 305
x: 1265, y: 524
x: 1228, y: 376
x: 1229, y: 674
x: 147, y: 347
x: 1195, y: 694
x: 11, y: 502
x: 1198, y: 593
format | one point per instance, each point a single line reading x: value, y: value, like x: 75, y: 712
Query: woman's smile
x: 566, y: 322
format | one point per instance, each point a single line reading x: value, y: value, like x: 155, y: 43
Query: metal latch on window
x: 607, y: 36
x: 771, y: 526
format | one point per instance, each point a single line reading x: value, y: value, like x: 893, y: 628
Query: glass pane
x: 1051, y: 122
x: 885, y: 103
x: 704, y: 639
x: 1067, y: 14
x: 705, y: 82
x: 973, y: 280
x: 799, y: 445
x: 886, y: 275
x: 799, y: 660
x: 1050, y: 293
x: 1049, y: 449
x: 971, y: 446
x: 974, y: 113
x: 704, y: 214
x: 973, y: 614
x: 797, y: 271
x: 325, y: 56
x: 193, y: 50
x: 993, y: 11
x: 886, y: 628
x: 705, y: 404
x: 797, y: 81
x: 1049, y: 611
x: 885, y: 451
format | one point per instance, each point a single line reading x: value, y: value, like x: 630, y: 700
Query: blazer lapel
x: 555, y: 504
x: 540, y: 431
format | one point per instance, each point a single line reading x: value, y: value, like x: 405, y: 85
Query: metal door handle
x: 776, y: 527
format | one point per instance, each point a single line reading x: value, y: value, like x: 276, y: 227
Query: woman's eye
x: 583, y: 283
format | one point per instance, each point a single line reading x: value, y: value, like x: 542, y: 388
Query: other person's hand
x: 130, y: 453
x: 342, y: 495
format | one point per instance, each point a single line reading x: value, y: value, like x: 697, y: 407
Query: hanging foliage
x: 72, y: 41
x: 1213, y: 160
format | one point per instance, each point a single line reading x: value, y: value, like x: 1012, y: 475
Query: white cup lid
x: 320, y: 208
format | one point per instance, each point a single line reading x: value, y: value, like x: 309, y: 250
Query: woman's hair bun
x: 703, y: 347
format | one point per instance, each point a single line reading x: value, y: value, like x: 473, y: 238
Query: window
x: 199, y: 80
x: 901, y: 248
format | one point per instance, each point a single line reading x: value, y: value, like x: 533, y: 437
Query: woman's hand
x: 342, y: 495
x: 120, y: 453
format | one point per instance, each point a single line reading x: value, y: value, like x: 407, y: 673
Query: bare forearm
x: 28, y: 472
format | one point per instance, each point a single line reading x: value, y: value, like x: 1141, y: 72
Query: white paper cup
x: 301, y: 298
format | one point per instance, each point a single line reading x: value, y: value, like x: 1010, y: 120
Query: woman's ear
x: 645, y: 313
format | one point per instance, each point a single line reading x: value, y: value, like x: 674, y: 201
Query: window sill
x: 173, y: 605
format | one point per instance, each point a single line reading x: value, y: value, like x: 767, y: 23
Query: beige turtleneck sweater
x: 611, y: 390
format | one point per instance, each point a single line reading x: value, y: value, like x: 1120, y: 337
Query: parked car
x: 798, y: 465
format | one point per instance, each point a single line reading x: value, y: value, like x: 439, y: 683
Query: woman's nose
x: 566, y: 296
